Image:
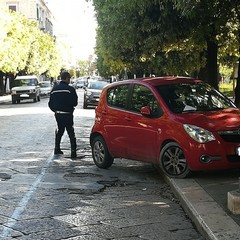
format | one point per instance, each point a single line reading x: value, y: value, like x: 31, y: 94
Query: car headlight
x: 200, y: 135
x: 88, y: 93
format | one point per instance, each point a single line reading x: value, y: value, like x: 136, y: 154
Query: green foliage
x: 165, y: 37
x: 227, y: 89
x: 25, y: 48
x: 226, y: 72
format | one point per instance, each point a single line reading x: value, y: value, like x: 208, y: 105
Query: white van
x: 25, y: 87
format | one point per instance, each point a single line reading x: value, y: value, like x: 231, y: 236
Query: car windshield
x: 97, y: 85
x: 25, y: 82
x: 193, y: 97
x: 45, y: 84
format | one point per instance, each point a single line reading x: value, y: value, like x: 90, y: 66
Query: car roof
x: 26, y: 77
x: 156, y: 81
x: 169, y: 80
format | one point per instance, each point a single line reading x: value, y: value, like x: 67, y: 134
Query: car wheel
x: 100, y: 153
x: 173, y: 161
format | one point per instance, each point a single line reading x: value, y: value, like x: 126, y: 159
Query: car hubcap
x: 174, y: 161
x: 98, y: 152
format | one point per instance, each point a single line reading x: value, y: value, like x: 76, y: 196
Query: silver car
x: 92, y: 93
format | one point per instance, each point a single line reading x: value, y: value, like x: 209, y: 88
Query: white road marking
x: 7, y: 230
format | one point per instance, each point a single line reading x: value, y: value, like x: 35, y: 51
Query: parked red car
x: 180, y: 123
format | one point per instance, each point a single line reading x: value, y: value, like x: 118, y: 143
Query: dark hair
x: 65, y: 75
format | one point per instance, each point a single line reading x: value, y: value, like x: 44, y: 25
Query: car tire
x: 173, y: 161
x: 100, y: 153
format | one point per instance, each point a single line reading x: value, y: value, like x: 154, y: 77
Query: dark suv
x: 178, y: 123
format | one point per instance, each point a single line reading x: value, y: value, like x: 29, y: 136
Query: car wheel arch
x: 94, y: 135
x: 101, y: 155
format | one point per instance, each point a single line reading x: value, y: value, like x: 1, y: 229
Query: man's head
x: 65, y: 76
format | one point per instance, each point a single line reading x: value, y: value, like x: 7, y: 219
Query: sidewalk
x: 5, y: 98
x: 205, y: 201
x: 208, y: 212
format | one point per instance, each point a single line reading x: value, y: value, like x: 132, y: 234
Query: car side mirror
x: 146, y: 111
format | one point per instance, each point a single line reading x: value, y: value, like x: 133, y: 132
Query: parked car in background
x: 92, y: 93
x: 80, y: 83
x: 181, y: 124
x: 25, y: 87
x: 45, y: 87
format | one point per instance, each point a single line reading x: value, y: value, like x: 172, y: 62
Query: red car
x: 180, y: 123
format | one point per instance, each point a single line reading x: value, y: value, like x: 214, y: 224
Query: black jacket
x: 63, y: 98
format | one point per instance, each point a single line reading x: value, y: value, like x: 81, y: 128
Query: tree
x: 168, y: 36
x: 141, y: 34
x: 213, y: 22
x: 24, y: 48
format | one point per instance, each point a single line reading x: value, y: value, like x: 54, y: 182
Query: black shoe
x: 73, y: 154
x: 58, y: 151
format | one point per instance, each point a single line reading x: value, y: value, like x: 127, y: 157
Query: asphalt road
x: 47, y: 197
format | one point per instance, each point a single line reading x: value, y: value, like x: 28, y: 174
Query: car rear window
x: 117, y: 96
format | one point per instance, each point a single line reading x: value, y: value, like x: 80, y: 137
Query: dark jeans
x: 65, y: 121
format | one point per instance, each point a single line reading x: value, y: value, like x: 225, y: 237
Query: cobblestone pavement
x: 43, y: 196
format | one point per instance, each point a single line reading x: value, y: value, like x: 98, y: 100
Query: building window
x: 12, y: 7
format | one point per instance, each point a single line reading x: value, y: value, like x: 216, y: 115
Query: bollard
x: 234, y: 200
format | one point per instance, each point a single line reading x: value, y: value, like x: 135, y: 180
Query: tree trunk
x: 202, y: 74
x: 1, y: 84
x: 212, y: 68
x: 237, y: 89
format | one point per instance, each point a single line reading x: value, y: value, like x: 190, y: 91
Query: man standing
x: 63, y: 99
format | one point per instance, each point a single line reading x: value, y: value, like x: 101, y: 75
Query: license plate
x: 24, y: 95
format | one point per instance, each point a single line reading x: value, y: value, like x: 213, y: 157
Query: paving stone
x: 74, y: 199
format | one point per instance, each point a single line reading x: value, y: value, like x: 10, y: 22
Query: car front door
x: 142, y: 132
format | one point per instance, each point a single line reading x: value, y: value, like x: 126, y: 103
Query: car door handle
x: 104, y: 112
x: 127, y: 118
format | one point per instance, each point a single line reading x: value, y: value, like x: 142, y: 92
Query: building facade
x: 33, y: 10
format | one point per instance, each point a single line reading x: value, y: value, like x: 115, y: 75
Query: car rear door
x: 115, y: 127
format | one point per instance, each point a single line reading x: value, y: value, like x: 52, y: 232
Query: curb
x: 210, y: 219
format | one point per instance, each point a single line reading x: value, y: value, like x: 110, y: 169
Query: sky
x: 74, y: 26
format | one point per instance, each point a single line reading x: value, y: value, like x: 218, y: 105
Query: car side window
x: 117, y: 96
x: 141, y: 97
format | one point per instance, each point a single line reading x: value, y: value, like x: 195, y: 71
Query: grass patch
x: 226, y: 89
